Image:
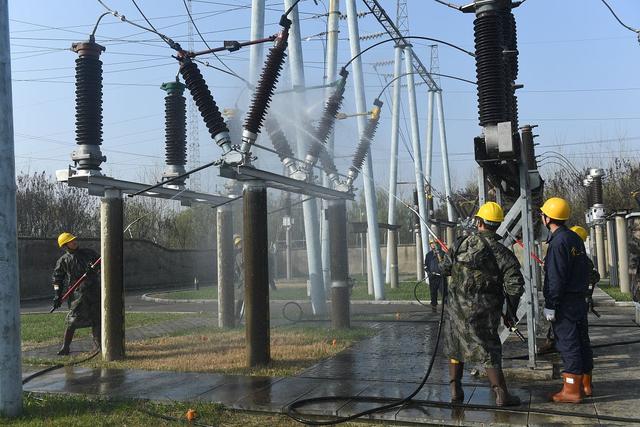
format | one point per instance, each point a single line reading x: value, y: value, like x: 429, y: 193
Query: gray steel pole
x: 112, y: 268
x: 367, y: 170
x: 333, y: 30
x: 287, y: 237
x: 340, y: 311
x: 419, y: 249
x: 613, y: 252
x: 310, y: 207
x: 451, y: 213
x: 257, y: 32
x: 224, y: 237
x: 417, y: 152
x: 370, y: 287
x: 428, y: 164
x: 255, y: 254
x: 602, y: 256
x: 623, y: 254
x: 392, y: 267
x: 10, y: 353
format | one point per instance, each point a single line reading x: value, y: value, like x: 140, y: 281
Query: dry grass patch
x: 292, y: 350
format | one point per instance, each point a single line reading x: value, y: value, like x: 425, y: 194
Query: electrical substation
x: 398, y: 372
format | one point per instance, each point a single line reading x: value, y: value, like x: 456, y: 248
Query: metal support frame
x: 309, y: 207
x: 10, y: 353
x: 367, y: 170
x: 112, y: 271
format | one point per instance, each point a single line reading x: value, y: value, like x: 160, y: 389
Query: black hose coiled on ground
x: 278, y: 139
x: 202, y: 97
x: 268, y: 80
x: 175, y: 114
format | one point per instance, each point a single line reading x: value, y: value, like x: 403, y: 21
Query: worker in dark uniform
x: 566, y: 285
x: 85, y: 300
x: 436, y: 281
x: 238, y: 275
x: 483, y: 272
x: 594, y: 278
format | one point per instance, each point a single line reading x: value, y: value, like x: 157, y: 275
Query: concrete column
x: 340, y: 310
x: 10, y: 362
x: 226, y: 301
x: 623, y: 254
x: 112, y: 269
x: 392, y: 256
x: 601, y: 257
x: 370, y: 287
x: 612, y: 260
x: 255, y: 253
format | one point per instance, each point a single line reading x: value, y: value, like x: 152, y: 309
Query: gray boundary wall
x: 147, y: 265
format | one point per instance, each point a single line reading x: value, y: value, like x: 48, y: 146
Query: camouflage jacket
x: 482, y: 270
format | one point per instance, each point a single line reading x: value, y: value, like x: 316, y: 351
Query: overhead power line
x: 635, y: 30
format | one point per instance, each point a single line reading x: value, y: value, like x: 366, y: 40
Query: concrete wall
x: 147, y: 265
x: 406, y: 261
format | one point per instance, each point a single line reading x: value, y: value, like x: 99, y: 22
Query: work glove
x: 550, y: 315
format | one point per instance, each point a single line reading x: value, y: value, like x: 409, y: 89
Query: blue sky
x: 579, y: 68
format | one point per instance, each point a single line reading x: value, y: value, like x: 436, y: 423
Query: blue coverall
x: 565, y: 288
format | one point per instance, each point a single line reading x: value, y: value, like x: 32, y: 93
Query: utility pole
x: 224, y: 236
x: 112, y: 270
x: 392, y: 235
x: 309, y: 207
x: 418, y: 233
x: 367, y: 170
x: 613, y: 251
x: 333, y: 31
x: 434, y: 67
x: 193, y: 115
x: 257, y: 32
x: 10, y: 353
x: 256, y: 274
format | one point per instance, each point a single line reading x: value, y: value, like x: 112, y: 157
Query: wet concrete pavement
x: 391, y: 364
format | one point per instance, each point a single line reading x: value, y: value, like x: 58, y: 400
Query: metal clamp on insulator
x: 230, y: 156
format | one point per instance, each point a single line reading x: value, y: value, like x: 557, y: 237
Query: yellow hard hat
x: 556, y: 208
x: 580, y: 231
x: 491, y: 211
x: 237, y: 239
x: 65, y: 238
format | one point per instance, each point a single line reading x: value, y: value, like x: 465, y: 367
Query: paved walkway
x: 388, y: 365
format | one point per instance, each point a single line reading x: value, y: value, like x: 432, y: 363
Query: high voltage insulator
x: 88, y: 156
x: 265, y: 88
x: 327, y: 120
x: 175, y: 114
x: 365, y: 143
x: 283, y: 148
x: 206, y: 104
x: 587, y: 182
x: 595, y: 188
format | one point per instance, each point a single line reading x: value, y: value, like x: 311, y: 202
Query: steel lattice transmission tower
x: 402, y: 17
x: 435, y: 64
x: 193, y: 117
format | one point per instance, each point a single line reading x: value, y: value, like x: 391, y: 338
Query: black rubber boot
x: 66, y: 343
x: 499, y: 387
x: 97, y: 337
x: 455, y: 382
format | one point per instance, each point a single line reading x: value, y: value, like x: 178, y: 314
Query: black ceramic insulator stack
x: 88, y: 100
x: 327, y: 162
x: 511, y: 61
x: 596, y: 191
x: 364, y: 144
x: 589, y: 192
x: 327, y: 120
x: 266, y: 86
x: 203, y: 98
x: 175, y: 114
x: 278, y: 139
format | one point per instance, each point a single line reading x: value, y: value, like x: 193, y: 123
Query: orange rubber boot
x: 571, y: 389
x: 586, y: 385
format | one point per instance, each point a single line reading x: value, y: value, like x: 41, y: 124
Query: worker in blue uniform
x: 566, y: 285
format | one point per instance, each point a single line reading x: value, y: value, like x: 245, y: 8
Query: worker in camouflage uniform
x: 238, y: 275
x: 482, y: 272
x: 85, y: 300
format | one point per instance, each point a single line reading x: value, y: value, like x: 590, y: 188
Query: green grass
x: 47, y: 328
x: 78, y: 411
x: 614, y: 292
x: 359, y: 292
